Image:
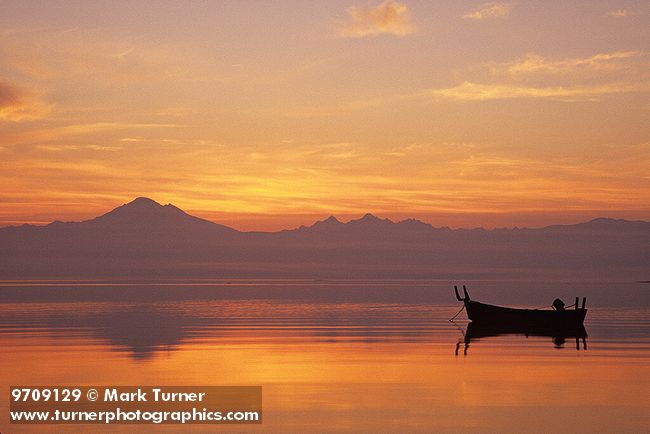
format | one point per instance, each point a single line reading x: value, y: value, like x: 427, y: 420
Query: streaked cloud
x: 468, y: 91
x: 341, y: 178
x: 568, y: 79
x: 52, y: 54
x: 65, y: 148
x: 388, y: 17
x: 54, y: 133
x: 240, y: 110
x: 18, y: 104
x: 489, y: 11
x: 598, y: 62
x: 619, y: 13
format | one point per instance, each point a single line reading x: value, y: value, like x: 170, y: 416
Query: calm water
x: 339, y: 356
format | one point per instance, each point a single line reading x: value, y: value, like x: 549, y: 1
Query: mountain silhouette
x: 145, y: 209
x: 144, y: 217
x: 145, y: 239
x: 329, y: 224
x: 369, y: 226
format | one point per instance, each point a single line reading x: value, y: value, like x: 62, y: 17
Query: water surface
x: 355, y: 356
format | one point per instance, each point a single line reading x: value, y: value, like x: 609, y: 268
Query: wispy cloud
x: 468, y: 91
x: 388, y: 17
x: 51, y: 134
x: 52, y: 54
x: 613, y: 61
x: 489, y: 11
x: 587, y: 78
x: 18, y: 104
x: 619, y: 13
x: 64, y: 148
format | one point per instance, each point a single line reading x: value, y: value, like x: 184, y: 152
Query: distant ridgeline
x: 144, y: 239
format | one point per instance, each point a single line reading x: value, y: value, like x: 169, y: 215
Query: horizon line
x: 331, y: 216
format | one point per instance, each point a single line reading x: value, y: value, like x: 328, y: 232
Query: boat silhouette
x: 489, y: 321
x: 506, y: 316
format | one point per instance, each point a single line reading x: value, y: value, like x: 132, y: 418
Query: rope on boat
x: 537, y: 308
x: 551, y: 306
x: 454, y: 317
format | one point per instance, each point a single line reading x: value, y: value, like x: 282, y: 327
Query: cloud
x: 468, y: 91
x: 51, y: 134
x: 588, y: 78
x: 63, y: 148
x: 574, y: 79
x: 388, y: 17
x: 489, y: 11
x: 619, y: 13
x: 54, y: 54
x: 17, y: 104
x: 614, y: 61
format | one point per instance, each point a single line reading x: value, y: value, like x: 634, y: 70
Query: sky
x: 270, y: 114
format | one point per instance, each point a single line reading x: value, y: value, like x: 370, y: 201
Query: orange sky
x: 265, y: 115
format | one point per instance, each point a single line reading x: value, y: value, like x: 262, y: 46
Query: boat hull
x: 488, y: 314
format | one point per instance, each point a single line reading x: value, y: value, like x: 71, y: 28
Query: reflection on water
x: 557, y: 334
x: 142, y: 329
x: 350, y: 361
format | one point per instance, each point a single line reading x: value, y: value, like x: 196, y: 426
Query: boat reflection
x: 559, y: 335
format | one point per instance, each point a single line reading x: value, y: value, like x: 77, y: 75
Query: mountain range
x: 144, y: 239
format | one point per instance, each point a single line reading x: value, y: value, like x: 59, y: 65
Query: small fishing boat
x: 489, y: 314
